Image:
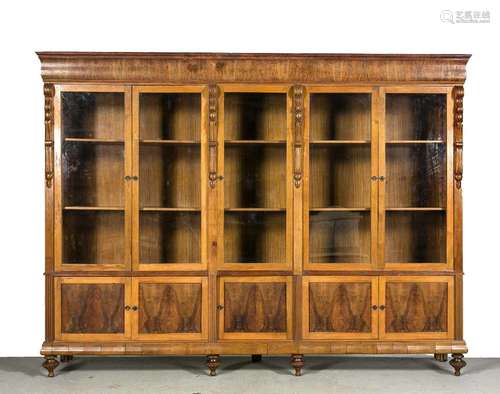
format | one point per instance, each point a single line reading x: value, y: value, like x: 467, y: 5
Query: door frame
x: 409, y: 266
x: 307, y: 334
x: 374, y: 154
x: 418, y: 335
x: 89, y: 337
x: 288, y: 280
x: 165, y: 266
x: 189, y: 336
x: 58, y: 192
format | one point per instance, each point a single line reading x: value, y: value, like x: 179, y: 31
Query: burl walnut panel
x: 416, y: 307
x: 169, y: 308
x: 340, y: 307
x: 255, y: 307
x: 92, y: 308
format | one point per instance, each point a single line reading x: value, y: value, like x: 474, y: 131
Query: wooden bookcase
x: 218, y: 204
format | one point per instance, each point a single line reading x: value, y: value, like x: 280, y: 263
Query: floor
x: 240, y: 375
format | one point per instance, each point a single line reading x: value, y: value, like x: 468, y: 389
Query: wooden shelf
x: 243, y: 142
x: 415, y: 142
x: 163, y: 209
x: 92, y: 208
x: 95, y: 140
x: 172, y: 142
x: 415, y: 209
x: 338, y: 142
x: 255, y: 209
x: 338, y: 209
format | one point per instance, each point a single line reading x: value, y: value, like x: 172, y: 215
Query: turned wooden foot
x: 65, y: 358
x: 441, y: 357
x: 50, y: 364
x: 297, y: 361
x: 213, y: 362
x: 457, y: 362
x: 256, y: 358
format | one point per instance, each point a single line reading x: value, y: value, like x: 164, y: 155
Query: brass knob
x: 381, y: 177
x: 134, y: 308
x: 135, y: 177
x: 220, y: 307
x: 127, y: 307
x: 382, y: 307
x: 374, y: 178
x: 128, y: 178
x: 374, y: 307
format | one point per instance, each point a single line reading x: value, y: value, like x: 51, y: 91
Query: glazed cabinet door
x: 416, y: 307
x: 92, y: 193
x: 170, y: 153
x: 92, y: 309
x: 253, y: 152
x: 416, y: 192
x: 340, y: 188
x: 255, y: 307
x: 342, y: 307
x: 172, y: 308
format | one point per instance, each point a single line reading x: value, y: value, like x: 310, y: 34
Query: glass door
x: 416, y: 194
x: 340, y: 196
x: 92, y: 141
x: 255, y: 201
x: 170, y: 192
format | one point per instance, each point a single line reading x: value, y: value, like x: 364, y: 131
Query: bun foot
x: 442, y: 357
x: 256, y: 358
x: 50, y: 364
x: 65, y: 358
x: 457, y: 362
x: 297, y: 362
x: 213, y: 362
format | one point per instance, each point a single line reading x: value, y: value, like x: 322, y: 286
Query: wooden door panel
x: 170, y: 308
x: 91, y: 308
x: 257, y: 307
x: 340, y: 307
x: 417, y: 306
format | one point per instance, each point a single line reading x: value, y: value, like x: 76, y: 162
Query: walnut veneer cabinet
x: 253, y: 204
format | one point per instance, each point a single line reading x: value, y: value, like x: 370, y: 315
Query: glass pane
x: 415, y: 117
x: 170, y: 116
x: 339, y: 237
x: 416, y: 175
x: 170, y: 178
x: 93, y: 194
x: 340, y: 116
x: 93, y: 237
x: 415, y: 237
x: 254, y: 237
x: 170, y: 237
x: 339, y: 176
x: 415, y: 196
x: 93, y: 115
x: 255, y: 176
x: 255, y: 116
x: 255, y: 132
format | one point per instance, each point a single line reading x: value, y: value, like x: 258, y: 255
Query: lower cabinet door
x: 92, y: 309
x: 174, y: 308
x: 340, y: 307
x: 255, y: 307
x: 416, y: 307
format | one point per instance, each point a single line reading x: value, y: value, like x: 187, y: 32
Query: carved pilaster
x: 458, y: 115
x: 48, y: 92
x: 298, y: 114
x: 213, y: 95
